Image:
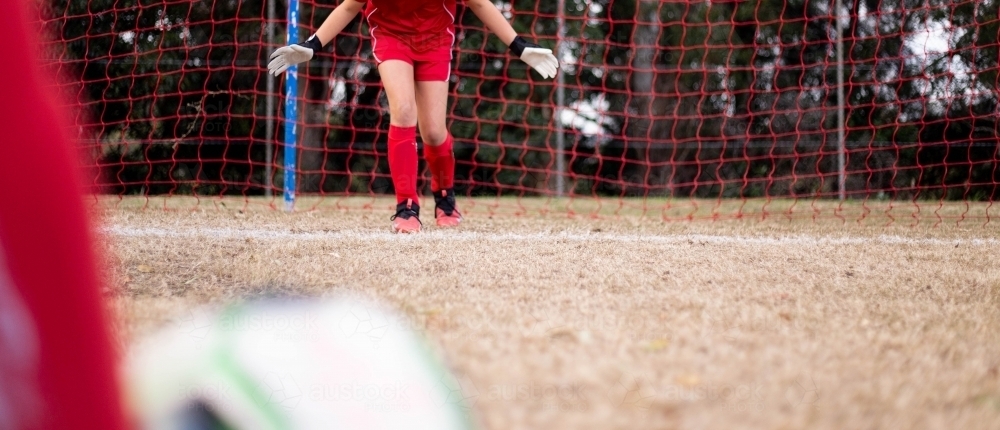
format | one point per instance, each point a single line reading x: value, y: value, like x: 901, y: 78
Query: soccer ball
x: 292, y: 365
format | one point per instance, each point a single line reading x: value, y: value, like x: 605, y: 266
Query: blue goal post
x: 291, y: 111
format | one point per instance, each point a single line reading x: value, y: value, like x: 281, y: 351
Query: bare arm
x: 288, y: 56
x: 538, y: 58
x: 493, y: 19
x: 337, y: 20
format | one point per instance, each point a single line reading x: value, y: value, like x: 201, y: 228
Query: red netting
x: 714, y: 109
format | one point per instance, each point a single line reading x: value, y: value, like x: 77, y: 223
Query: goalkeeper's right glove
x: 288, y: 56
x: 538, y: 58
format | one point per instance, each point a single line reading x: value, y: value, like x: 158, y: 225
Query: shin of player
x: 412, y: 44
x: 432, y: 102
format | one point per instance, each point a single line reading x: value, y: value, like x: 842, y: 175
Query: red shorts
x: 430, y: 56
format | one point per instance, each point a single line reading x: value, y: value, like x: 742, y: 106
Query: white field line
x: 269, y: 234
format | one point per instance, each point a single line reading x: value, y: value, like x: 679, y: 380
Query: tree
x: 171, y: 91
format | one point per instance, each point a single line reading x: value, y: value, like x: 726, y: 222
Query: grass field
x: 621, y: 321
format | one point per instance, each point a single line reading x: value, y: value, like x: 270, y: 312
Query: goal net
x: 658, y: 104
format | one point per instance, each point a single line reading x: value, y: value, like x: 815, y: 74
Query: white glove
x: 540, y: 59
x: 288, y: 56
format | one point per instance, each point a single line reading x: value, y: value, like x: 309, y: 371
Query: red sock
x: 403, y: 162
x: 441, y: 161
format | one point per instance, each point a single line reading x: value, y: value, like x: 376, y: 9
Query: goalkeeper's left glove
x: 538, y: 58
x: 288, y: 56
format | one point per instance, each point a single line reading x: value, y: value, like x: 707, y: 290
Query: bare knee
x: 434, y: 136
x: 403, y: 113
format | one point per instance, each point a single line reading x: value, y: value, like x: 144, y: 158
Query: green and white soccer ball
x: 293, y: 365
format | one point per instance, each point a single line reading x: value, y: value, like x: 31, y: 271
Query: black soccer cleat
x: 445, y: 210
x: 407, y: 218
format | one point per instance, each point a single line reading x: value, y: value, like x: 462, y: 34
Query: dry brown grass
x: 862, y: 212
x: 641, y: 323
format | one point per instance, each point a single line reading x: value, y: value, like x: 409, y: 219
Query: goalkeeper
x: 412, y: 44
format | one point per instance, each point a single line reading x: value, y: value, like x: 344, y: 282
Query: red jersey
x: 421, y: 24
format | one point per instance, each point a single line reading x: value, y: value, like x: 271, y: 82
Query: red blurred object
x: 57, y: 366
